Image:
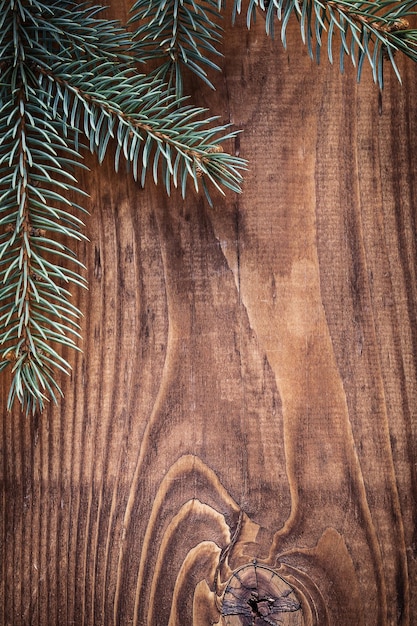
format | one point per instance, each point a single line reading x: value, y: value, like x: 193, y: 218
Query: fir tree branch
x: 183, y: 33
x: 66, y: 73
x: 367, y: 29
x: 146, y: 124
x: 34, y: 312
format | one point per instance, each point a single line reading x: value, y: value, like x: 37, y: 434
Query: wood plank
x: 246, y: 395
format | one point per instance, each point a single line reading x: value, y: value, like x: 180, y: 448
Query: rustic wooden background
x: 248, y: 374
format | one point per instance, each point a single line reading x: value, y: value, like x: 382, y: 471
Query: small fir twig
x: 372, y: 30
x: 182, y: 33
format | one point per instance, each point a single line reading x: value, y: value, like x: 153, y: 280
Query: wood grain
x: 247, y: 387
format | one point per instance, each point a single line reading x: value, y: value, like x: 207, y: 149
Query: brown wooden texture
x: 247, y: 388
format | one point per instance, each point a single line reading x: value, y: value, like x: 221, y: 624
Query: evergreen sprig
x: 68, y: 77
x: 181, y: 33
x: 369, y: 29
x: 186, y: 33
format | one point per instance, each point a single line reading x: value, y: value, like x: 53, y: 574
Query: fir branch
x: 146, y: 124
x: 67, y: 73
x: 34, y: 313
x: 368, y: 29
x: 183, y: 33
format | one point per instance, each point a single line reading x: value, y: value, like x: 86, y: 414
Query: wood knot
x: 257, y: 595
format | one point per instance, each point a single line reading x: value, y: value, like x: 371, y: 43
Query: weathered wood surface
x: 248, y: 376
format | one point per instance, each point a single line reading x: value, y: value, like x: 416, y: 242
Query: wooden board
x: 246, y: 396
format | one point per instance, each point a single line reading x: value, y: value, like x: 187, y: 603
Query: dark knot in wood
x: 257, y: 596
